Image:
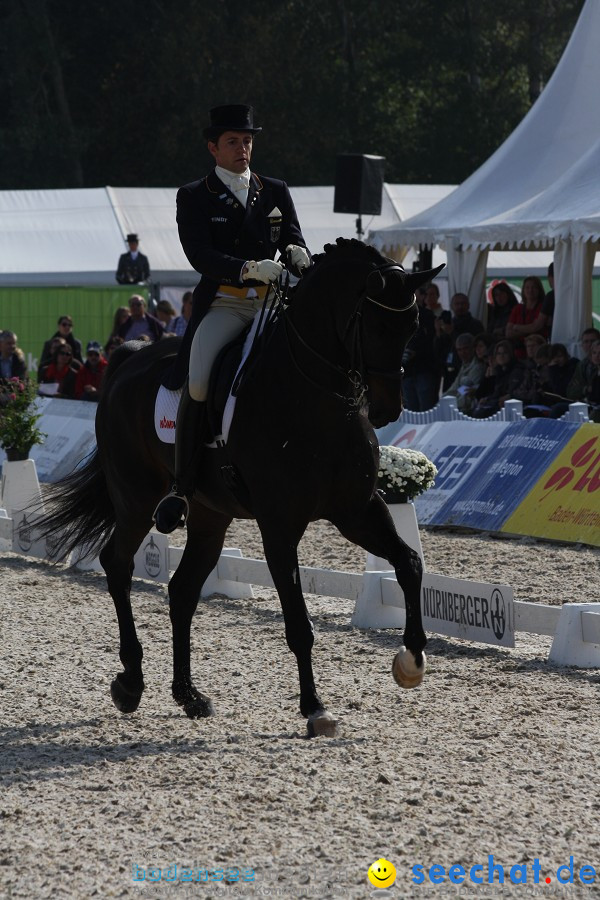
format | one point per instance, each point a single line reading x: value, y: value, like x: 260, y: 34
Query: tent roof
x: 555, y: 136
x: 60, y: 237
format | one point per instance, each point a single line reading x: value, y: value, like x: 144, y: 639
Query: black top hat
x: 131, y: 238
x: 236, y: 117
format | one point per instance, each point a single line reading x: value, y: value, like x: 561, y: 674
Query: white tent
x: 538, y: 190
x: 75, y: 237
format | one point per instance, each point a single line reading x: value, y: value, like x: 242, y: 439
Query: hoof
x: 195, y: 705
x: 200, y: 708
x: 405, y: 670
x: 322, y: 723
x: 125, y: 699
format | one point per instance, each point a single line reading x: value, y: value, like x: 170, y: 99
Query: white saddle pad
x: 165, y: 413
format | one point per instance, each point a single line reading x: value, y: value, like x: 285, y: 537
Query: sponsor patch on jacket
x: 275, y: 224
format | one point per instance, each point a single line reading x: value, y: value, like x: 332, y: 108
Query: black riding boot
x: 173, y: 509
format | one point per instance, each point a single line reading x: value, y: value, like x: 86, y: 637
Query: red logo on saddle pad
x: 167, y: 423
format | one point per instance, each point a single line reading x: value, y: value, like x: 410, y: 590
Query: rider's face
x: 232, y: 151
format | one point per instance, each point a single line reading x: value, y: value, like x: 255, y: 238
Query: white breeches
x: 225, y: 319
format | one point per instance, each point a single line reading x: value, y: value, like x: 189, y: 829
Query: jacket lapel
x: 222, y: 198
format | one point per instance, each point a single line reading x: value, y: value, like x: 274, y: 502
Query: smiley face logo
x: 382, y: 873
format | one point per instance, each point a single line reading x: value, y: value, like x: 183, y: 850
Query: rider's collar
x: 233, y: 180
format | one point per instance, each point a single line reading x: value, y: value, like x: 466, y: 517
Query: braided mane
x: 346, y: 248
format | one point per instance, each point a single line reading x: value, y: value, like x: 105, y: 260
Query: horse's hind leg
x: 374, y: 530
x: 116, y: 559
x: 282, y: 558
x: 205, y: 536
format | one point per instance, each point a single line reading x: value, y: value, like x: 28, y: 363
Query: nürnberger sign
x: 468, y: 609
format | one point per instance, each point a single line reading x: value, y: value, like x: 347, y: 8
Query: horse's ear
x: 416, y: 279
x: 375, y: 283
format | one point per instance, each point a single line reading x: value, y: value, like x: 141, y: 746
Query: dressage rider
x: 231, y: 225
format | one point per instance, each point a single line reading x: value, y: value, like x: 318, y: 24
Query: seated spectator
x: 180, y: 323
x: 432, y: 298
x: 89, y: 377
x: 57, y: 378
x: 578, y: 386
x: 121, y: 316
x: 12, y: 358
x: 420, y: 385
x: 581, y: 375
x: 561, y: 369
x: 553, y: 379
x: 531, y: 374
x: 495, y: 387
x: 139, y: 323
x: 462, y: 320
x: 443, y: 349
x: 111, y: 345
x: 503, y: 302
x: 65, y: 330
x: 527, y: 318
x: 469, y: 375
x: 165, y: 313
x: 484, y: 345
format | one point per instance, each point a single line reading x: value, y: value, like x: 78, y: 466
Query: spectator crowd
x: 65, y: 372
x: 452, y: 353
x: 508, y: 357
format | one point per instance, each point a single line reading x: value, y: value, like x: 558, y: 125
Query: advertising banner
x: 457, y: 449
x: 71, y: 436
x: 514, y: 464
x: 470, y: 610
x: 564, y: 504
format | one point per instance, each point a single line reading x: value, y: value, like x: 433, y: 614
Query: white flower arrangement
x: 403, y: 474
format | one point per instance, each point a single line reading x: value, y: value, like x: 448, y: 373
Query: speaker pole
x: 359, y: 228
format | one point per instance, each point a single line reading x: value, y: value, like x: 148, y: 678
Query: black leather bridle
x: 359, y: 371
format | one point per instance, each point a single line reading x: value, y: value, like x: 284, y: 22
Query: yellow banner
x: 565, y: 503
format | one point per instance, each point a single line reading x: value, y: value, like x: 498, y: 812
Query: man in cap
x: 134, y: 267
x: 231, y: 225
x: 89, y: 376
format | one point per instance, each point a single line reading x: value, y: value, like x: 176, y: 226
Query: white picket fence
x: 378, y: 600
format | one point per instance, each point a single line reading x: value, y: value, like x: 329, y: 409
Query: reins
x: 355, y: 375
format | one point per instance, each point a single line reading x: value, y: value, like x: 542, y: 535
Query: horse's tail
x: 80, y: 515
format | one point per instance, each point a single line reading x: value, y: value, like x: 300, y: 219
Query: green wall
x: 33, y: 312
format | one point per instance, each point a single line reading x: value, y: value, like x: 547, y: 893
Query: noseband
x: 358, y: 370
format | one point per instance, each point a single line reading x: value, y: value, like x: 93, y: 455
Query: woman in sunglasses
x: 60, y: 373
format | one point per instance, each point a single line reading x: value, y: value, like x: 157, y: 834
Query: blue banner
x: 506, y: 474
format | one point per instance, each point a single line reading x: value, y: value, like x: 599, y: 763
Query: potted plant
x: 403, y: 474
x: 18, y: 418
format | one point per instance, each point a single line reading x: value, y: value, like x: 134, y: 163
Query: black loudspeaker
x: 358, y: 184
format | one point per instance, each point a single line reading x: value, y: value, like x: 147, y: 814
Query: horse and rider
x: 231, y: 224
x: 301, y: 445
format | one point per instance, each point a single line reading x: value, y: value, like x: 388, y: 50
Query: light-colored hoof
x: 322, y: 723
x: 405, y: 670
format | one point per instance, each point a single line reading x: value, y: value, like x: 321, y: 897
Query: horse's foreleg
x: 206, y: 533
x: 282, y: 559
x: 374, y: 530
x: 116, y: 559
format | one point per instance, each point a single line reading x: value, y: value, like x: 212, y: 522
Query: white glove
x: 298, y: 257
x: 265, y: 270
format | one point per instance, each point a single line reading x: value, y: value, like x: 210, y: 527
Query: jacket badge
x: 275, y: 219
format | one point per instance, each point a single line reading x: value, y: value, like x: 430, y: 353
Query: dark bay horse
x: 302, y: 447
